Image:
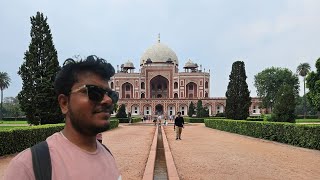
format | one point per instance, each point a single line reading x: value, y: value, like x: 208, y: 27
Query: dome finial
x: 159, y: 38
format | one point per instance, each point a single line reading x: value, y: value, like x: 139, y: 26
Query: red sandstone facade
x: 159, y: 87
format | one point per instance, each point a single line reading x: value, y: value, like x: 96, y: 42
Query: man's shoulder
x: 23, y: 156
x: 20, y: 166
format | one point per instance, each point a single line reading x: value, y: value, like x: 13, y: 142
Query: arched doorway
x: 192, y: 90
x: 171, y: 110
x: 127, y: 90
x: 159, y: 87
x: 159, y: 109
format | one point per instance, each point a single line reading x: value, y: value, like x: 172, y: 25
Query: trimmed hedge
x: 214, y: 117
x: 307, y: 116
x: 254, y: 119
x: 196, y: 120
x: 136, y: 119
x: 307, y: 136
x: 185, y: 118
x: 114, y: 123
x: 14, y: 119
x: 18, y: 139
x: 126, y: 120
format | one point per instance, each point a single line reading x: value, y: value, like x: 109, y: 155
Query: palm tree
x: 303, y: 69
x: 4, y: 83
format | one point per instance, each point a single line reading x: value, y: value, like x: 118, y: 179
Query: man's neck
x: 87, y: 143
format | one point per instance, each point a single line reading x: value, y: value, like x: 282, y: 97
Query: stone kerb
x: 149, y: 170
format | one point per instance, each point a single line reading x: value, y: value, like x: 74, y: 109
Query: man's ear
x: 63, y: 102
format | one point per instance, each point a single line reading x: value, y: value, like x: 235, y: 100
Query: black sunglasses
x: 96, y: 93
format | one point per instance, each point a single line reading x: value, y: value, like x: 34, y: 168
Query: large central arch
x: 159, y: 109
x: 159, y: 87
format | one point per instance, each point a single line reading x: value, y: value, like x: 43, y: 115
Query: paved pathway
x: 205, y: 153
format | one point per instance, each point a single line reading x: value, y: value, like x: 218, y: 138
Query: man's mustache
x: 108, y: 109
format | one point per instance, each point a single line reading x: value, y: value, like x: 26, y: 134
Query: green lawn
x: 13, y: 122
x: 307, y: 120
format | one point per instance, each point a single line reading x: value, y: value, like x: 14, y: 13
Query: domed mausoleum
x: 159, y: 87
x: 159, y: 54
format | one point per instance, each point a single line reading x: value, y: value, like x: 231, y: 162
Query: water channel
x: 160, y: 168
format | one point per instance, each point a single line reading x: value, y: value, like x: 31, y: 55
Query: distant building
x: 159, y: 88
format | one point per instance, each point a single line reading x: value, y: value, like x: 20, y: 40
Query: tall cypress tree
x: 191, y: 109
x: 121, y: 111
x: 238, y: 95
x: 38, y: 71
x: 199, y: 109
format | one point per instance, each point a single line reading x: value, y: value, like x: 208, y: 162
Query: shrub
x: 191, y: 109
x: 307, y: 116
x: 14, y: 118
x: 307, y: 136
x: 122, y: 112
x: 254, y: 119
x: 284, y: 105
x: 18, y: 139
x: 196, y: 120
x: 220, y: 115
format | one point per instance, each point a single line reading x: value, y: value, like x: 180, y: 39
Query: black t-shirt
x: 179, y: 121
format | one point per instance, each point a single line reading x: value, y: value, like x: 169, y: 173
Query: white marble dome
x: 190, y: 64
x: 129, y: 65
x: 159, y: 53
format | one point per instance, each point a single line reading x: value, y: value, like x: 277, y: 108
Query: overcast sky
x: 213, y: 33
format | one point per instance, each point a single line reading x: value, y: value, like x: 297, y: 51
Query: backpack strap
x: 106, y: 149
x: 41, y: 161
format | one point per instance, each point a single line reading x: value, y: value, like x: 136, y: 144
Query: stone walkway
x: 205, y: 153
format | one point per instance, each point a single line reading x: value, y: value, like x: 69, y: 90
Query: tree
x: 300, y: 107
x: 303, y: 69
x: 121, y: 111
x: 269, y: 81
x: 37, y: 97
x: 205, y: 112
x: 11, y: 107
x: 4, y: 84
x: 199, y: 109
x: 191, y: 109
x: 313, y: 84
x: 238, y: 95
x: 284, y: 106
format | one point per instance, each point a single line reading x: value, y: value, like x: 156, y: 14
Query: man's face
x: 89, y: 117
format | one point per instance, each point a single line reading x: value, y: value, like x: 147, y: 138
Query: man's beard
x: 86, y: 129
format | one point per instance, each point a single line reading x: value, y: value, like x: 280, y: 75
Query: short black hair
x: 68, y: 75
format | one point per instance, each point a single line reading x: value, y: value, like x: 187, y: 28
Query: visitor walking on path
x: 171, y: 118
x: 129, y: 117
x: 179, y: 122
x: 159, y: 120
x: 87, y: 102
